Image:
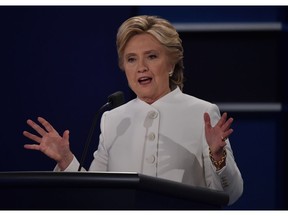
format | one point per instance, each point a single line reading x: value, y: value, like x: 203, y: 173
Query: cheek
x: 129, y: 77
x: 163, y: 72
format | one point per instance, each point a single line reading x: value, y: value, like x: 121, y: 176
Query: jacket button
x: 152, y: 114
x: 151, y: 136
x: 151, y: 159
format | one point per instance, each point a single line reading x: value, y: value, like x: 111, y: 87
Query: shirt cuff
x: 72, y: 167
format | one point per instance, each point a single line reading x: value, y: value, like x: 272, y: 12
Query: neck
x: 150, y: 100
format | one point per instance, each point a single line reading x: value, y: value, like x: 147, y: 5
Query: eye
x: 131, y: 59
x: 152, y: 56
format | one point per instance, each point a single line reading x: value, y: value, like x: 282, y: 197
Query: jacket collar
x: 168, y: 98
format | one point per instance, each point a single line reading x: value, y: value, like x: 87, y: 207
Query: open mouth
x: 144, y: 80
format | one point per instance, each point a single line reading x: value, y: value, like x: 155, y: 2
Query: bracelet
x: 218, y: 164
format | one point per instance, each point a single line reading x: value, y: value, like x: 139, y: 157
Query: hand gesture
x: 217, y: 135
x: 50, y: 142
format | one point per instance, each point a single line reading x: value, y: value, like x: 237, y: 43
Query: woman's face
x: 147, y: 66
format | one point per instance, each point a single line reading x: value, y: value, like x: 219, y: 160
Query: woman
x: 163, y: 132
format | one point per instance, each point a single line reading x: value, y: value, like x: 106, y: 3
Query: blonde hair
x: 164, y: 32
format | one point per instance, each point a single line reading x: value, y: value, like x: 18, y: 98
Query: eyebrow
x: 146, y: 52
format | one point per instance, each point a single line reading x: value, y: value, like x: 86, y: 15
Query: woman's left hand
x: 217, y: 135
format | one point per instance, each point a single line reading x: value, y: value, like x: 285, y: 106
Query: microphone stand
x: 114, y: 101
x: 90, y: 135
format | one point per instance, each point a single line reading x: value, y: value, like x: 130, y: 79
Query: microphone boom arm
x: 114, y: 101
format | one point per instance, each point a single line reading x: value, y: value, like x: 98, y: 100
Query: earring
x: 171, y: 73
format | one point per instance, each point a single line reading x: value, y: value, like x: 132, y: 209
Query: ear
x: 171, y: 71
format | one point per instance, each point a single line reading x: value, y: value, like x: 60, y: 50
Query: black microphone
x: 114, y: 100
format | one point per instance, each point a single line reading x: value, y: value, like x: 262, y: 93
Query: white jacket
x: 165, y: 139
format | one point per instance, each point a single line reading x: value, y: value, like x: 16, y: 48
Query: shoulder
x: 195, y: 104
x: 200, y: 106
x: 125, y: 109
x: 193, y: 101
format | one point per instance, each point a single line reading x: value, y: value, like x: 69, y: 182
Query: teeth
x: 144, y: 78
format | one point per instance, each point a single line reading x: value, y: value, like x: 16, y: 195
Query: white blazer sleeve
x: 100, y: 162
x: 73, y: 166
x: 229, y: 178
x: 100, y: 156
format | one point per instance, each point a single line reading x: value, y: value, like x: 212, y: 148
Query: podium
x: 102, y: 191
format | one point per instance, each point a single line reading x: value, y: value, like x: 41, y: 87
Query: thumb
x: 66, y: 135
x: 207, y: 120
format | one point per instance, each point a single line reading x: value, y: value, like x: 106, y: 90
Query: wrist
x: 65, y: 161
x: 218, y: 160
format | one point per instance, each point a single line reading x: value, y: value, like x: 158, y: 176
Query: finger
x: 66, y: 135
x: 32, y: 137
x: 46, y: 124
x: 36, y: 127
x: 227, y: 124
x: 207, y: 120
x: 222, y: 120
x: 226, y: 134
x: 32, y: 147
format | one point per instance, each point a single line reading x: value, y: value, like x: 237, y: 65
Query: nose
x: 142, y: 66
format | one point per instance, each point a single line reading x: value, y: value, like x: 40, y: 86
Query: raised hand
x: 217, y: 135
x: 50, y: 142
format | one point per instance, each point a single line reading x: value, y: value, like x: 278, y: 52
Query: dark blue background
x: 61, y: 63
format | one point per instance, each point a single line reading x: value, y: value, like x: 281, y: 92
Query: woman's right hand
x: 50, y: 142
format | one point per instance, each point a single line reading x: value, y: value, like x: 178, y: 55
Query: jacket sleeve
x: 100, y: 162
x: 229, y: 178
x: 73, y: 166
x: 100, y: 156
